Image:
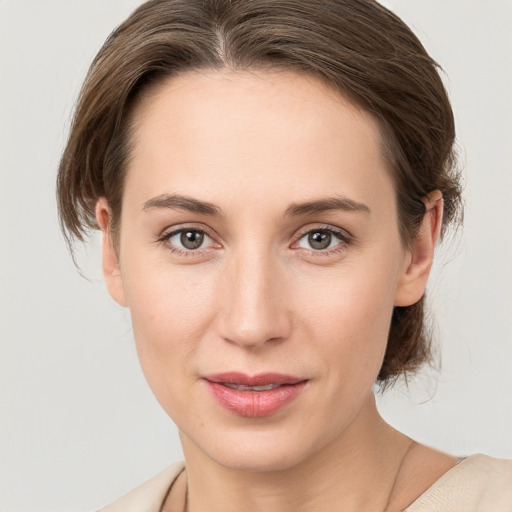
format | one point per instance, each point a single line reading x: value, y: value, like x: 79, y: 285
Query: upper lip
x: 261, y: 379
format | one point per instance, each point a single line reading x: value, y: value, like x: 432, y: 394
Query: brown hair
x: 358, y: 47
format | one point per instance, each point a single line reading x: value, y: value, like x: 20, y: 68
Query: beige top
x: 477, y: 484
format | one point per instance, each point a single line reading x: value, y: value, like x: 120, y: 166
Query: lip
x: 251, y: 403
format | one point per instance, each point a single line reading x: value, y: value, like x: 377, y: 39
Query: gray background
x: 78, y: 423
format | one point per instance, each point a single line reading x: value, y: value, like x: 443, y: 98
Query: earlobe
x: 110, y: 262
x: 416, y: 269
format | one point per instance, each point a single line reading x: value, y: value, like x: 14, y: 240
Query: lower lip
x: 255, y: 404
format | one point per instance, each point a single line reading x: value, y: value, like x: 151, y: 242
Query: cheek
x: 348, y: 315
x: 171, y: 309
x: 165, y: 298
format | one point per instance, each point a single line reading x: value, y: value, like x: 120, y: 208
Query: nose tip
x: 255, y: 322
x: 251, y: 338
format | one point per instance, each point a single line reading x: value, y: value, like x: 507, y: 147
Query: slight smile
x: 254, y: 396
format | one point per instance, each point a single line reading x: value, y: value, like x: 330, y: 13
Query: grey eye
x: 319, y: 239
x: 189, y: 239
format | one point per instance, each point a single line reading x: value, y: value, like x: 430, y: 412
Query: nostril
x: 252, y: 339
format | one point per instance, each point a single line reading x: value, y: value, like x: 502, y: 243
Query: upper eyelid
x: 343, y: 233
x: 172, y: 230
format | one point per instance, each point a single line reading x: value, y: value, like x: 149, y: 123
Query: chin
x: 258, y: 461
x: 258, y: 450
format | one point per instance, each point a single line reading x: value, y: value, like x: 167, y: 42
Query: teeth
x: 241, y: 387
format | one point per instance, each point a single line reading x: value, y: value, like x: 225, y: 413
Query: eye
x: 187, y: 240
x: 323, y: 239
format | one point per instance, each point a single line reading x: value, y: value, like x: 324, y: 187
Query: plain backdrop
x: 78, y: 423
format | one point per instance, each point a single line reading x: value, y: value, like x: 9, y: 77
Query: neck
x: 356, y: 471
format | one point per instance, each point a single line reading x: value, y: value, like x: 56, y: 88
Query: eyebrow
x: 326, y: 205
x: 180, y: 202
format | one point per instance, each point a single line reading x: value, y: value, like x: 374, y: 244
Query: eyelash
x: 166, y: 236
x: 344, y: 238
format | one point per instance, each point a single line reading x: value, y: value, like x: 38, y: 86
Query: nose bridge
x: 253, y: 310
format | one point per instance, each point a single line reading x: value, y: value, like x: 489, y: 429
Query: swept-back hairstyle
x: 358, y: 47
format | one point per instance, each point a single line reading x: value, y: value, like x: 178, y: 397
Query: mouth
x: 242, y: 387
x: 254, y: 396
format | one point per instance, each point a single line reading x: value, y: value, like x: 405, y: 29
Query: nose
x: 253, y: 307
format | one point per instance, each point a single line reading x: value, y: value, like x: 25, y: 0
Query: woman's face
x: 259, y: 246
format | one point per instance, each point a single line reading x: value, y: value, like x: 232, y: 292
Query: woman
x: 271, y: 180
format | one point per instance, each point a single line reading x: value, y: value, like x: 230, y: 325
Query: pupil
x: 191, y: 239
x: 320, y: 240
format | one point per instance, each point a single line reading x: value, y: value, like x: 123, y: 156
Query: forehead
x: 273, y: 129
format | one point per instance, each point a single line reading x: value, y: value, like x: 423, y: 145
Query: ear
x: 418, y: 261
x: 111, y: 269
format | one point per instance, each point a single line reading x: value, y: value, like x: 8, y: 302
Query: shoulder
x: 149, y: 496
x: 478, y: 483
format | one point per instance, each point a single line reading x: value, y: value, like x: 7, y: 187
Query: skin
x: 257, y: 297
